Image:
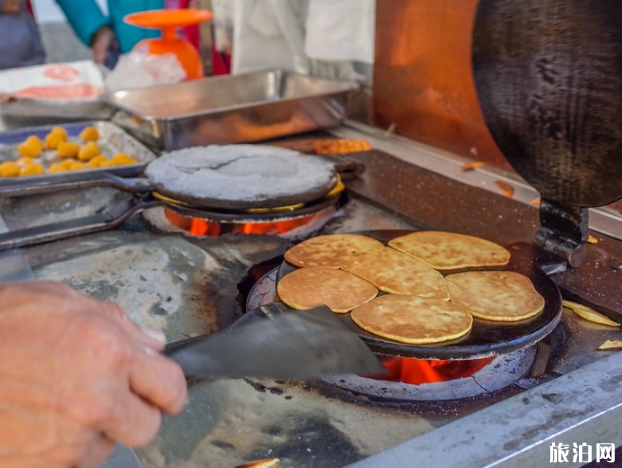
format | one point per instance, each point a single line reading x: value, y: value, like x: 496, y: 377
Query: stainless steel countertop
x: 584, y: 405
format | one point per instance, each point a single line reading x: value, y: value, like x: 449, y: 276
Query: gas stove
x: 506, y: 414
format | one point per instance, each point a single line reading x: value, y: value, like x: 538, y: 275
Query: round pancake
x: 241, y: 176
x: 330, y: 251
x: 450, y: 251
x: 500, y: 296
x: 413, y: 320
x: 339, y: 290
x: 394, y: 272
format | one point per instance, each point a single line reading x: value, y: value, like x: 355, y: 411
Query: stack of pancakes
x: 418, y: 304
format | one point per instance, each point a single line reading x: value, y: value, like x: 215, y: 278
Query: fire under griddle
x: 187, y: 285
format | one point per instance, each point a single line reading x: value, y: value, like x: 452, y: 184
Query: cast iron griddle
x: 229, y: 177
x: 248, y: 176
x: 486, y: 338
x: 548, y: 75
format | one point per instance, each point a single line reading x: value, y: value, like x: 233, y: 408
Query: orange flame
x: 418, y: 371
x: 202, y: 227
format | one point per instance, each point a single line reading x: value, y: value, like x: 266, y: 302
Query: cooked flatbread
x: 414, y: 320
x: 450, y: 251
x: 339, y: 290
x: 501, y: 296
x: 330, y: 251
x: 394, y: 272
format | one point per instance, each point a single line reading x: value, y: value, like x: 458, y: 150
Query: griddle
x: 152, y: 192
x: 548, y: 75
x: 486, y: 338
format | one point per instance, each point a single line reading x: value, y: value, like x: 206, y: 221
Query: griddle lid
x: 548, y: 75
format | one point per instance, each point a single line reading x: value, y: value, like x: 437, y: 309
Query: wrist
x: 104, y: 31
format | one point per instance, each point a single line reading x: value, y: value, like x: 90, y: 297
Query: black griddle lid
x: 548, y: 75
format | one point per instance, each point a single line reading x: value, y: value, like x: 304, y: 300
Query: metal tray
x: 112, y: 140
x: 233, y: 109
x: 33, y: 113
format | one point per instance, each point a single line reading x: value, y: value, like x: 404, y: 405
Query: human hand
x: 76, y: 375
x: 102, y: 41
x: 11, y: 6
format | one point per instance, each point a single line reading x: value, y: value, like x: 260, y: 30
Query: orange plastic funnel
x: 169, y: 21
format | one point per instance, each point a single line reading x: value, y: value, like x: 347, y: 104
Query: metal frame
x: 603, y: 220
x: 584, y: 406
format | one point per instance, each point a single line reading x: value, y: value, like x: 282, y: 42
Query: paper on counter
x: 73, y: 81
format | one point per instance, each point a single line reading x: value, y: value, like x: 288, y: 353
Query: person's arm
x: 90, y: 25
x: 76, y: 376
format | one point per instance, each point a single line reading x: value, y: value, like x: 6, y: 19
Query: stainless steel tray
x: 33, y: 113
x: 233, y: 109
x: 112, y: 140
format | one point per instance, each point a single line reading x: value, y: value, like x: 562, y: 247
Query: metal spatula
x: 271, y: 342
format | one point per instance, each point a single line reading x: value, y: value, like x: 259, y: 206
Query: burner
x: 420, y: 379
x: 293, y: 227
x: 460, y: 379
x: 291, y: 222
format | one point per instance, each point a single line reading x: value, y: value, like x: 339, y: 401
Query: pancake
x: 394, y: 272
x: 413, y: 320
x: 450, y: 251
x: 339, y: 290
x: 330, y: 251
x: 500, y: 296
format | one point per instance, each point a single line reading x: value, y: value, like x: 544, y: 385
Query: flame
x: 418, y: 371
x: 202, y: 227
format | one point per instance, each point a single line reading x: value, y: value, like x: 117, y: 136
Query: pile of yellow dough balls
x: 70, y: 156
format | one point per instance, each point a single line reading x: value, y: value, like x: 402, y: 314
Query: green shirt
x: 86, y: 18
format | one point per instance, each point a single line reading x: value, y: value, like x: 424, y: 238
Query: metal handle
x: 23, y: 187
x: 66, y: 229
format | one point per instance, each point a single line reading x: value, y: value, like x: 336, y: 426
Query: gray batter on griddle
x: 240, y: 173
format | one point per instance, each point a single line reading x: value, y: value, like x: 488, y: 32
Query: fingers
x: 153, y: 339
x: 136, y: 422
x: 95, y: 451
x: 49, y: 288
x: 101, y: 43
x: 160, y: 381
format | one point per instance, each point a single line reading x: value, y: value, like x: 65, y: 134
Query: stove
x: 505, y: 414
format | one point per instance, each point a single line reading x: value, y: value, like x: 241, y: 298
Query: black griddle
x: 486, y: 338
x: 148, y: 193
x: 548, y: 75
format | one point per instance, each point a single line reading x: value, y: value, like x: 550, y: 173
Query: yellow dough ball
x: 68, y: 149
x: 77, y: 165
x: 32, y: 169
x: 53, y: 140
x: 88, y: 151
x: 9, y: 169
x: 32, y: 147
x: 122, y: 159
x: 59, y: 131
x: 89, y: 134
x: 67, y: 164
x: 24, y: 161
x: 56, y: 168
x: 97, y: 161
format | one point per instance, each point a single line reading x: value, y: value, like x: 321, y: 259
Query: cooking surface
x: 190, y: 286
x: 486, y: 338
x: 242, y: 176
